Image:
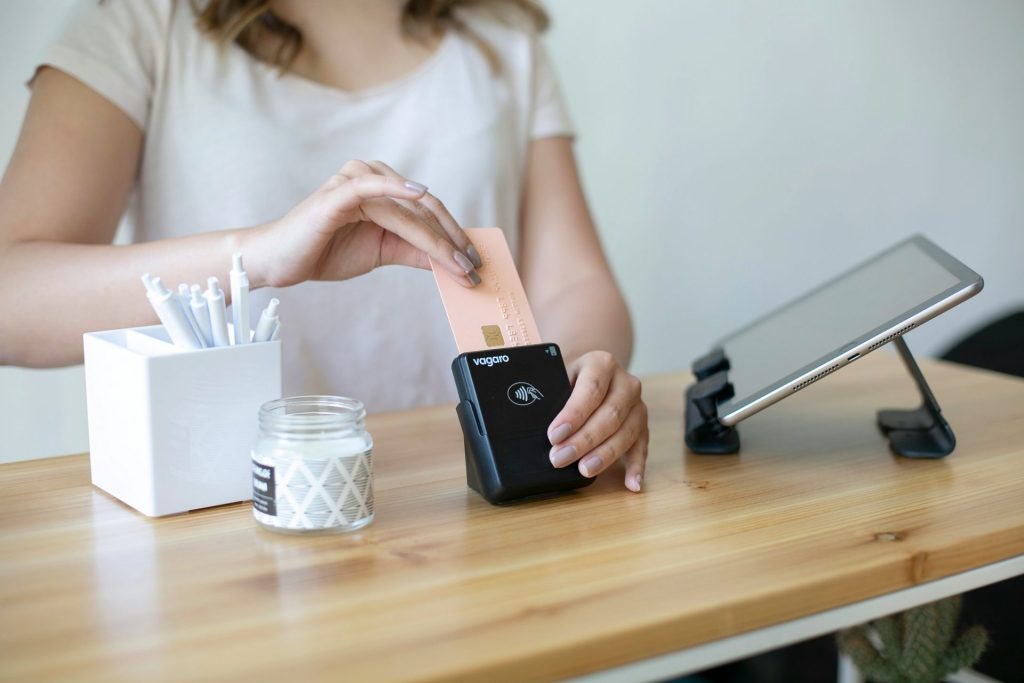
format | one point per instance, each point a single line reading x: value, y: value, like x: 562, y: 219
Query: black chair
x: 998, y: 346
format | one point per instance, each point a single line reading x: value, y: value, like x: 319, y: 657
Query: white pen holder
x: 170, y: 429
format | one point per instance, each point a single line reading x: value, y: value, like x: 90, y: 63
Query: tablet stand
x: 922, y: 432
x: 918, y: 433
x: 704, y: 433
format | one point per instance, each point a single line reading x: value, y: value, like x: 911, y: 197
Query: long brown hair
x: 253, y: 25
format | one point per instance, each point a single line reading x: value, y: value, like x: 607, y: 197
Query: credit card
x: 495, y: 313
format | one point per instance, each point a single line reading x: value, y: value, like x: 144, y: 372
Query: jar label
x: 263, y: 498
x: 313, y: 493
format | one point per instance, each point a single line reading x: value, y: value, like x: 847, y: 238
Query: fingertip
x: 560, y: 433
x: 562, y: 456
x: 471, y: 277
x: 591, y: 466
x: 635, y: 483
x: 418, y: 188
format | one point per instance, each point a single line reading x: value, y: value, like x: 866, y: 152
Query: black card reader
x: 507, y: 400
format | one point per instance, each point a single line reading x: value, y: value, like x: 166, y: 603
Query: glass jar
x: 312, y: 465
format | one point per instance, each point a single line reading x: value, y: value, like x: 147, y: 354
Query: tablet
x: 841, y: 321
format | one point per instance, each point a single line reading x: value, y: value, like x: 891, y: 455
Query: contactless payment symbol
x: 524, y: 393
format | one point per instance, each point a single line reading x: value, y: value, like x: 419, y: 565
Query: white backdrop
x: 734, y: 153
x: 42, y: 412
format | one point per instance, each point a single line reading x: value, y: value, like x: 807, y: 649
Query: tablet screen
x: 839, y: 315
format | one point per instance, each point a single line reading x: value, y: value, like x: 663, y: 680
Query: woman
x: 208, y: 126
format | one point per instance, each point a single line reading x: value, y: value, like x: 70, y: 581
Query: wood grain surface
x: 815, y: 513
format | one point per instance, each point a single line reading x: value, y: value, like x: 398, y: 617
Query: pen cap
x: 213, y: 288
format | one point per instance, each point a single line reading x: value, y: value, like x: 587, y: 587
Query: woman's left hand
x: 604, y: 420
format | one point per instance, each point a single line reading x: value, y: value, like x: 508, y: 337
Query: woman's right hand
x: 366, y: 215
x: 362, y: 217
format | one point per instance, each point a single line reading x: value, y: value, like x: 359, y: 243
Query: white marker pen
x: 202, y: 315
x: 218, y: 316
x: 240, y: 301
x: 277, y: 332
x: 268, y: 321
x: 184, y: 298
x: 167, y: 308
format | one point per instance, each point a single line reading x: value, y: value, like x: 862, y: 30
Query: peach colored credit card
x: 495, y: 313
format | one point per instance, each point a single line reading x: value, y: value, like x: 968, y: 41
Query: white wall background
x: 42, y: 412
x: 735, y: 150
x: 734, y: 153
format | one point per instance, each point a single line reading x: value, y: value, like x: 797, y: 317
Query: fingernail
x: 590, y: 465
x: 474, y: 256
x: 473, y: 277
x: 638, y: 482
x: 415, y: 187
x: 560, y: 433
x: 463, y: 262
x: 563, y: 456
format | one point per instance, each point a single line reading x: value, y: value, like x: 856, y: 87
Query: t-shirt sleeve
x: 115, y: 48
x: 550, y: 117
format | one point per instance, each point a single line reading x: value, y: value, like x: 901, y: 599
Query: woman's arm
x: 578, y: 305
x: 66, y: 187
x: 60, y: 201
x: 567, y: 277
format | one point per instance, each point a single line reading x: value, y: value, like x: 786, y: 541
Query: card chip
x: 492, y: 335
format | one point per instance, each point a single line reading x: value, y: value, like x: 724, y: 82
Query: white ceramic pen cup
x: 171, y: 430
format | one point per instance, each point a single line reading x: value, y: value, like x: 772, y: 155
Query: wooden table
x: 814, y: 515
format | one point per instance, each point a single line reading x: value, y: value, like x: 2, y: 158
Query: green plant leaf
x: 890, y: 632
x: 916, y: 646
x: 858, y: 646
x: 921, y: 650
x: 965, y: 651
x: 947, y: 613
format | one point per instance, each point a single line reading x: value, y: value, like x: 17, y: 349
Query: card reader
x: 508, y: 398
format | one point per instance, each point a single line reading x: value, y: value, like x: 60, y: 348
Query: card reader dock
x: 508, y: 398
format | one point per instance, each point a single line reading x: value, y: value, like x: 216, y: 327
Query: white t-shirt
x: 230, y: 143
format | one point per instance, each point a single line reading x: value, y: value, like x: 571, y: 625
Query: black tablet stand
x: 922, y: 432
x: 704, y: 433
x: 918, y: 433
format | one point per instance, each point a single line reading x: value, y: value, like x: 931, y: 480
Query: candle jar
x: 312, y: 466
